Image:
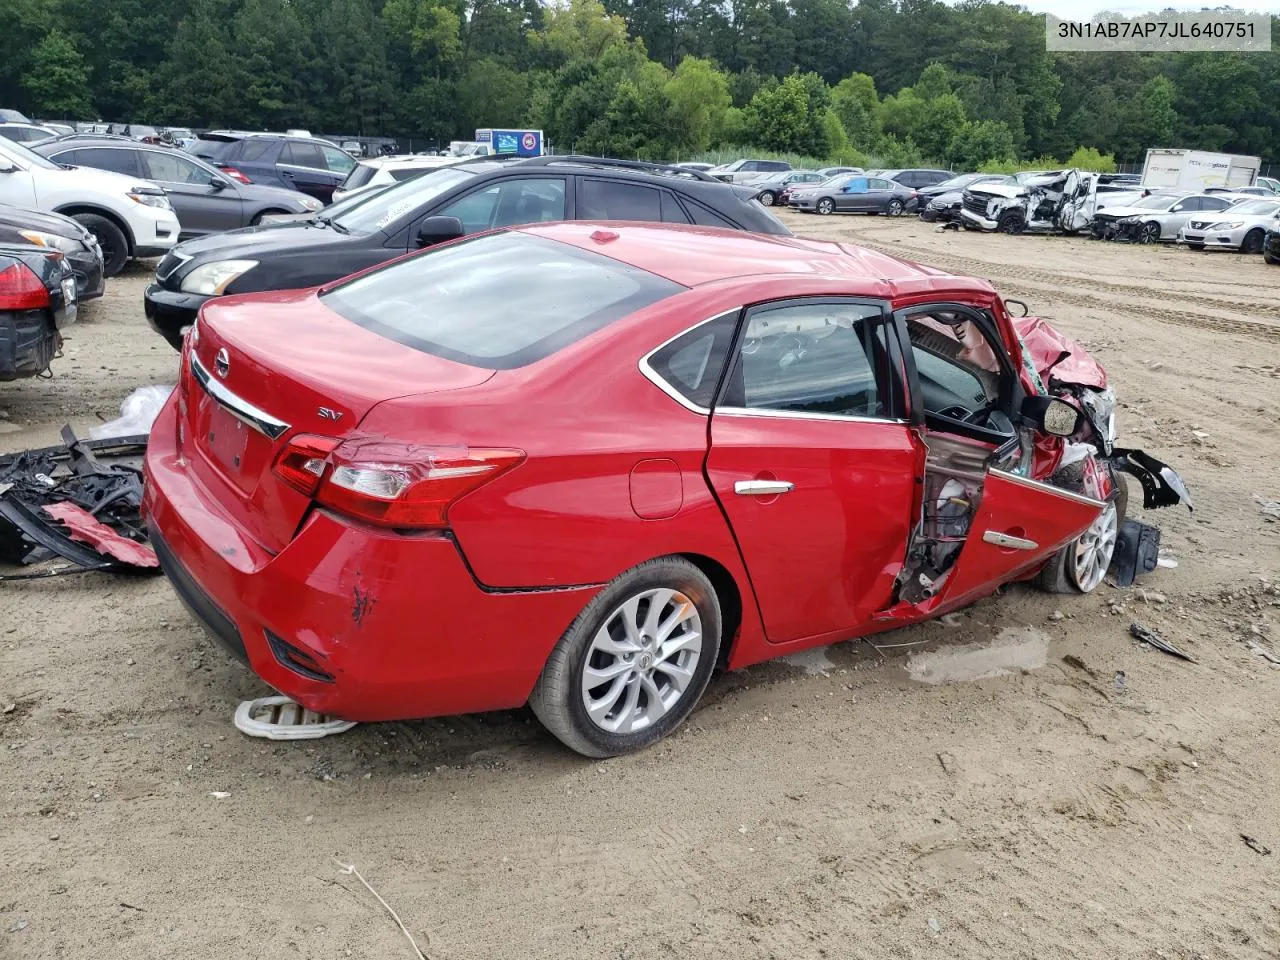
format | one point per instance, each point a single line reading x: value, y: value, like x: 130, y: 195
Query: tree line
x: 900, y: 81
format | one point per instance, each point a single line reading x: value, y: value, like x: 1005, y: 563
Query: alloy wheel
x: 895, y: 208
x: 767, y: 199
x: 825, y: 206
x: 1093, y: 550
x: 642, y: 660
x: 1150, y: 233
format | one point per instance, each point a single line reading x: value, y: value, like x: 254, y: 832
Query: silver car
x: 1159, y: 216
x: 1242, y: 227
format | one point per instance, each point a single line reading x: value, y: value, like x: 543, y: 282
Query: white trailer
x: 1197, y: 169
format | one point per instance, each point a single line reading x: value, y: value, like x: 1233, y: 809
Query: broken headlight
x: 1101, y: 405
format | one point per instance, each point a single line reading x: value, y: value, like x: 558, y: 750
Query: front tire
x: 1082, y: 564
x: 114, y: 244
x: 1253, y: 242
x: 1150, y: 233
x: 826, y: 206
x: 631, y: 667
x: 1010, y: 223
x: 767, y: 198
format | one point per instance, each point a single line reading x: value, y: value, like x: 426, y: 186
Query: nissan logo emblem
x: 222, y: 363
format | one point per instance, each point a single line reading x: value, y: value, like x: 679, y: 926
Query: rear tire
x: 114, y: 244
x: 1252, y: 242
x: 1065, y: 573
x: 895, y: 208
x: 767, y: 198
x: 1268, y: 258
x: 826, y: 206
x: 642, y: 685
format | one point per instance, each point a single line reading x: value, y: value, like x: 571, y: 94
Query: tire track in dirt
x: 1255, y: 328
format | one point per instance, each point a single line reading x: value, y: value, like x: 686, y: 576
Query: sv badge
x: 328, y: 414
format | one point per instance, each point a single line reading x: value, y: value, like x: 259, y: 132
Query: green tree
x: 855, y: 102
x: 981, y: 143
x: 1087, y: 158
x: 57, y: 80
x: 777, y: 118
x: 699, y: 98
x: 1157, y: 118
x: 199, y: 83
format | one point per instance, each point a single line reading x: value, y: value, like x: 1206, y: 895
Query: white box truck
x: 1197, y: 169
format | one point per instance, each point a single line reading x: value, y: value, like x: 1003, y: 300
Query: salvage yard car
x: 52, y: 231
x: 393, y: 501
x: 1241, y: 227
x: 1157, y: 217
x: 462, y: 198
x: 205, y: 199
x: 129, y: 216
x: 858, y: 193
x: 37, y: 302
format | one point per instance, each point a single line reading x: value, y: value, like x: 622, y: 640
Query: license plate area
x: 233, y: 448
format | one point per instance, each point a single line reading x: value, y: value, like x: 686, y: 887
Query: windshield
x: 17, y: 152
x: 1256, y: 208
x: 386, y: 206
x: 1155, y: 202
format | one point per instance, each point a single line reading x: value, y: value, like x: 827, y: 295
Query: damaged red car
x: 581, y: 466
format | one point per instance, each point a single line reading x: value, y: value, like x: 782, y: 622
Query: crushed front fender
x: 1161, y: 484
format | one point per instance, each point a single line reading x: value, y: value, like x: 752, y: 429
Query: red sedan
x: 580, y: 466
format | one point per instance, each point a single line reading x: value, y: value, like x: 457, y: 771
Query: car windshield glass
x: 16, y: 151
x: 499, y: 301
x: 1256, y: 208
x: 387, y: 206
x: 955, y: 183
x: 1156, y: 202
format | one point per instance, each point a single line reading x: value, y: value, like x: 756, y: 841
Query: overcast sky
x: 1084, y: 9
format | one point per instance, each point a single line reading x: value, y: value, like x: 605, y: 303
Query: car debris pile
x: 78, y: 501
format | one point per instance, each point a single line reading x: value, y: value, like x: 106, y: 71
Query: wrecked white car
x: 1061, y: 201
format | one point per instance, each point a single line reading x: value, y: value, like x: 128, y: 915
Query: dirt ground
x: 829, y: 806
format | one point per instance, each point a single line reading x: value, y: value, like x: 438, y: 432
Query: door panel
x: 816, y: 479
x: 1020, y: 524
x: 823, y: 555
x: 200, y: 208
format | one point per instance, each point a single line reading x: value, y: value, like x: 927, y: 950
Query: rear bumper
x: 169, y: 313
x: 28, y: 341
x: 359, y: 623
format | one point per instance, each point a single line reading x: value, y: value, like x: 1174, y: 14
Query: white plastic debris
x: 137, y: 414
x: 219, y: 794
x: 279, y: 718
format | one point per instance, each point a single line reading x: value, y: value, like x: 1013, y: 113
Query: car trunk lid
x: 258, y: 372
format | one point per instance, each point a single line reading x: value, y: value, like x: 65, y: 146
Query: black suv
x: 439, y: 205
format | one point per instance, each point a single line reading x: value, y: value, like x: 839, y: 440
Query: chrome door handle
x: 1011, y: 542
x: 762, y: 488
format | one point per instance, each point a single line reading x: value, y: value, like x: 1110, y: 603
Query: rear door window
x: 300, y: 153
x: 615, y: 200
x: 499, y: 301
x: 110, y: 158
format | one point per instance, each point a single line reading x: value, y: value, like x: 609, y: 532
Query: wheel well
x: 71, y: 209
x: 727, y: 593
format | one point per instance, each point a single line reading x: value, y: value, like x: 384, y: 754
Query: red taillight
x: 233, y: 173
x: 21, y: 289
x: 389, y: 484
x: 303, y: 462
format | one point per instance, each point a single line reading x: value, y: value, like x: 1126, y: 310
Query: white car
x: 1271, y: 183
x: 375, y: 173
x: 1241, y: 227
x: 26, y: 132
x: 130, y: 217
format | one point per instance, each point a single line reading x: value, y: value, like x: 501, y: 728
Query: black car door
x: 302, y: 167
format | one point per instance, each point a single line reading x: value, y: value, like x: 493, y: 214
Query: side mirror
x: 218, y: 183
x: 439, y: 230
x: 1052, y: 416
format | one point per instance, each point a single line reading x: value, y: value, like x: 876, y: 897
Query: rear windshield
x: 499, y: 301
x: 401, y: 174
x: 212, y: 149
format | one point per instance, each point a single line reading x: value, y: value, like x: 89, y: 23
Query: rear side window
x: 399, y: 176
x: 613, y: 200
x: 109, y: 158
x: 692, y: 363
x: 257, y: 151
x: 499, y: 301
x: 361, y: 174
x: 671, y: 212
x: 303, y: 154
x: 705, y: 217
x: 774, y: 165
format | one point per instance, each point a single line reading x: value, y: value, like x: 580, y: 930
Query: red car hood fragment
x: 88, y: 529
x: 1058, y: 357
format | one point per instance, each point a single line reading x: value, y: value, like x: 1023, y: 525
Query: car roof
x: 692, y: 256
